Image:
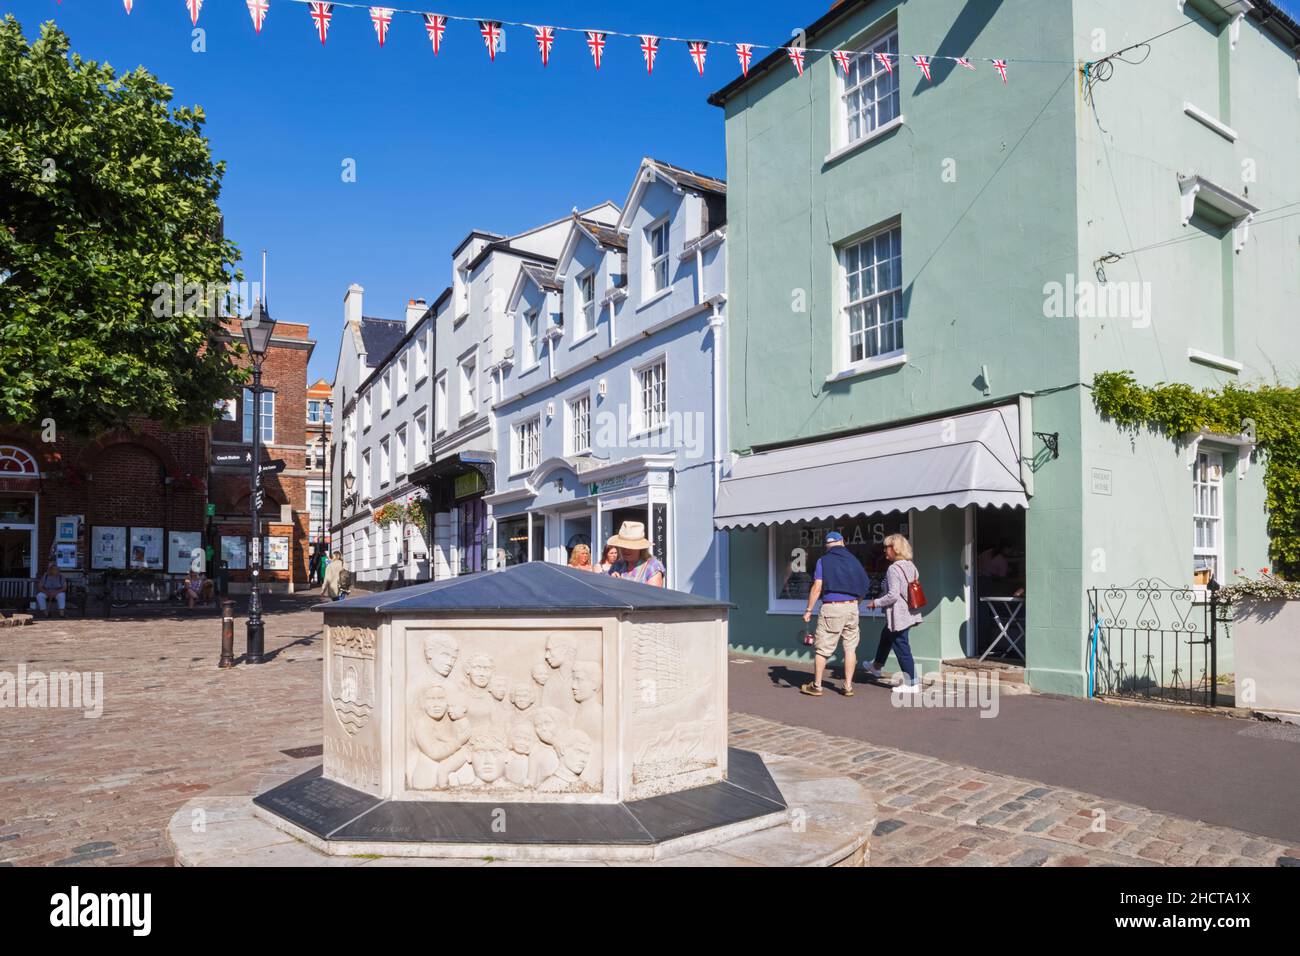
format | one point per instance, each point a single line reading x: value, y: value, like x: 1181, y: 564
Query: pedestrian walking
x: 338, y: 579
x: 841, y: 583
x: 902, y: 602
x: 324, y: 565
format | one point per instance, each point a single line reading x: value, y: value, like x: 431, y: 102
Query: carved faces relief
x: 586, y: 680
x: 489, y: 760
x: 541, y: 672
x: 575, y: 750
x: 547, y: 723
x: 435, y: 703
x: 523, y: 696
x: 441, y: 651
x: 559, y: 650
x: 499, y: 686
x: 480, y: 670
x: 521, y: 738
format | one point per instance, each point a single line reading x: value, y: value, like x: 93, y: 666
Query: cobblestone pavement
x: 100, y: 791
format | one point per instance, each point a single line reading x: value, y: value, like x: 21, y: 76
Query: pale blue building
x: 611, y: 405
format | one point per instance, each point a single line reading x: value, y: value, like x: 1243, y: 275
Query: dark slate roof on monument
x: 380, y: 336
x: 536, y: 587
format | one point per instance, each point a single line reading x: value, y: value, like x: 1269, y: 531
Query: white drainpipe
x: 716, y: 323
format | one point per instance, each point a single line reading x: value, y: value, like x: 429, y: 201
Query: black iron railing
x: 1156, y: 641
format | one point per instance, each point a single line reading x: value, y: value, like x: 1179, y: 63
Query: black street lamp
x: 258, y: 328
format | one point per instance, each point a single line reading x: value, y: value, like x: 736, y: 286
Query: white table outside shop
x: 1008, y: 615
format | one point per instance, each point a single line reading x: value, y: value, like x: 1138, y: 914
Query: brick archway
x: 92, y: 452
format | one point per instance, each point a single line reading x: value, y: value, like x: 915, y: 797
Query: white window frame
x: 531, y: 337
x: 403, y: 375
x: 268, y: 417
x: 844, y: 361
x: 440, y: 403
x: 641, y: 425
x: 385, y: 461
x: 320, y: 410
x: 421, y: 357
x: 421, y: 448
x: 526, y: 445
x: 653, y: 262
x: 871, y: 126
x: 571, y: 434
x: 385, y: 392
x: 400, y: 459
x: 585, y: 317
x: 1207, y: 480
x: 468, y: 385
x: 368, y: 408
x: 366, y: 477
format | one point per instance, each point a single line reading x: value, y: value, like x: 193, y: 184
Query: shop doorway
x: 999, y: 585
x: 17, y: 536
x: 575, y: 529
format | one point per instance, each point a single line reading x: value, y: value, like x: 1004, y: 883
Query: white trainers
x: 906, y: 688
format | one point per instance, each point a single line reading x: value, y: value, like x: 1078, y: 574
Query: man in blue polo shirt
x: 841, y: 583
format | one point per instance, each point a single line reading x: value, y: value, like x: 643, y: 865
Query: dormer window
x: 531, y: 353
x: 657, y: 257
x: 586, y: 284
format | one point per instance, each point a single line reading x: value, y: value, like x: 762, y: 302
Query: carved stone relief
x: 352, y: 676
x: 674, y: 727
x: 510, y: 711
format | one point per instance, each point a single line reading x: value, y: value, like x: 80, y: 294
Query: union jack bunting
x: 491, y: 31
x: 885, y: 62
x: 1001, y: 67
x: 699, y: 50
x: 842, y: 58
x: 796, y: 57
x: 596, y: 42
x: 435, y: 24
x: 127, y: 4
x: 382, y: 18
x: 545, y: 40
x: 257, y: 10
x: 965, y: 61
x: 744, y: 53
x: 649, y: 49
x: 194, y: 6
x: 924, y: 63
x: 321, y: 14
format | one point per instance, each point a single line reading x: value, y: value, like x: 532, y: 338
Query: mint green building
x: 925, y: 275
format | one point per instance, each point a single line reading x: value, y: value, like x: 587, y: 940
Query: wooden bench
x: 19, y: 594
x: 143, y: 590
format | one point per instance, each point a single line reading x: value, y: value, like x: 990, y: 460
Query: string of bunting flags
x: 492, y: 33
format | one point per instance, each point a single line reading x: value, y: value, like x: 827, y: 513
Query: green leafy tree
x: 107, y: 194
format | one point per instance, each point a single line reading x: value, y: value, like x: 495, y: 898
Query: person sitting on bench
x: 51, y: 584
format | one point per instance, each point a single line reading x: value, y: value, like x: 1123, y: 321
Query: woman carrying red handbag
x: 902, y: 601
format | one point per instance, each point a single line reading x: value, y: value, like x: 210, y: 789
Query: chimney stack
x: 415, y: 309
x: 352, y: 304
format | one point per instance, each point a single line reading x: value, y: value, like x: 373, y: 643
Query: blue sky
x: 441, y: 145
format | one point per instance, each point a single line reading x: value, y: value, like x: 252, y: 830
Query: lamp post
x: 258, y: 328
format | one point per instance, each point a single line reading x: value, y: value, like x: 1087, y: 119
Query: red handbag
x: 915, y: 594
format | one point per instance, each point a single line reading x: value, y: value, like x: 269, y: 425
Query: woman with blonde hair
x: 580, y: 557
x: 899, y: 615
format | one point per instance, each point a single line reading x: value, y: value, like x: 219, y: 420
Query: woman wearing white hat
x: 636, y: 563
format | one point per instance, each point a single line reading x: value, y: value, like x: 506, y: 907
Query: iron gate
x: 1156, y: 641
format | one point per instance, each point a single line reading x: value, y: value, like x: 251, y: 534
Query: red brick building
x: 129, y: 499
x: 284, y: 513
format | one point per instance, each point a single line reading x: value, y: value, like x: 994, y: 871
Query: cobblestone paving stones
x: 95, y: 792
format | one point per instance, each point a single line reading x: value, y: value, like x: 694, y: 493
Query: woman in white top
x: 899, y: 616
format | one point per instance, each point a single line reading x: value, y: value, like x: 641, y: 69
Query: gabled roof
x: 533, y: 588
x: 606, y: 238
x: 539, y: 274
x: 380, y: 336
x: 655, y: 169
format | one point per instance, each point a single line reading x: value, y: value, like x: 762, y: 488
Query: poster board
x: 180, y: 545
x: 234, y: 551
x: 277, y: 553
x: 146, y: 552
x: 107, y: 548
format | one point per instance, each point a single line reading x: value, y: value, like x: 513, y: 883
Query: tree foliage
x: 1272, y: 411
x: 107, y: 194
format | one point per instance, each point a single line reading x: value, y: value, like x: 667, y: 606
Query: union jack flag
x: 194, y: 6
x: 1001, y: 67
x: 596, y: 42
x: 965, y: 61
x: 842, y: 58
x: 545, y: 40
x: 649, y: 49
x: 744, y: 53
x: 885, y: 62
x: 924, y: 63
x: 796, y: 57
x: 435, y: 24
x: 382, y: 18
x: 699, y: 50
x: 257, y: 10
x: 127, y: 4
x: 491, y: 30
x: 321, y: 14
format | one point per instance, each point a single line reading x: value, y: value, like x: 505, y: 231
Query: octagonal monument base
x: 773, y: 811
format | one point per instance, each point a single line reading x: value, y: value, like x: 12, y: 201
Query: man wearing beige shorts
x: 845, y: 584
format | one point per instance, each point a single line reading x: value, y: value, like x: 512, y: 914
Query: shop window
x: 512, y: 541
x: 793, y: 551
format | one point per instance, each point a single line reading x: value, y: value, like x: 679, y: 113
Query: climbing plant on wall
x: 1271, y: 412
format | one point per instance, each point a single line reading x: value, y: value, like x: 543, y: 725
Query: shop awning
x: 959, y: 460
